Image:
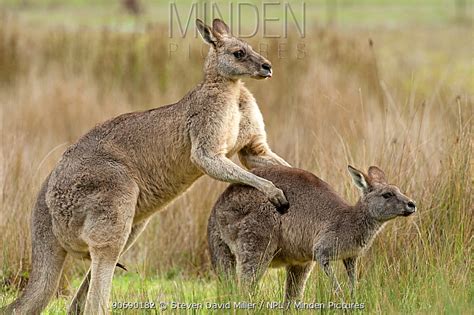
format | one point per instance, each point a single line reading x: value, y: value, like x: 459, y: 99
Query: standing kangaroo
x: 245, y: 234
x: 105, y: 188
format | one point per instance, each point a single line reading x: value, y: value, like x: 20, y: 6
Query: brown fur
x: 246, y: 235
x: 111, y: 181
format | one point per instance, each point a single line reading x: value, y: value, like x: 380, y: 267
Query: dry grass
x: 405, y: 105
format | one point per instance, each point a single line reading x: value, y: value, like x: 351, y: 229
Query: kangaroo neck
x: 214, y: 78
x: 372, y: 225
x: 216, y: 87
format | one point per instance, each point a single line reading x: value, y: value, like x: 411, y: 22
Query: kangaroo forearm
x: 277, y: 159
x: 223, y: 169
x: 253, y: 161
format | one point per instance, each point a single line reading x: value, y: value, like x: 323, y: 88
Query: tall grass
x: 408, y: 111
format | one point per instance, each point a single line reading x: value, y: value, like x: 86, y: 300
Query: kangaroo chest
x: 231, y: 129
x: 243, y: 124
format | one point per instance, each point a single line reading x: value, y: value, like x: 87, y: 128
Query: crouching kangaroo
x: 106, y: 187
x: 247, y: 236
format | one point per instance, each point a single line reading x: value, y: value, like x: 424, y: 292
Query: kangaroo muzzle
x: 410, y: 208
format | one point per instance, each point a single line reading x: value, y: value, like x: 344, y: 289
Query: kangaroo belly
x: 162, y: 190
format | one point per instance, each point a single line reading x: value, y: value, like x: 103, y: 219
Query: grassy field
x: 404, y: 103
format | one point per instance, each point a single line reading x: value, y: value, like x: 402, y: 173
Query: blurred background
x: 387, y: 83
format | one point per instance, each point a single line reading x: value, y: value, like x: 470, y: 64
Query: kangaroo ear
x: 376, y: 175
x: 205, y: 32
x: 359, y: 178
x: 220, y: 28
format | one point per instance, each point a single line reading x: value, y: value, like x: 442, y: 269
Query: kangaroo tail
x: 47, y: 262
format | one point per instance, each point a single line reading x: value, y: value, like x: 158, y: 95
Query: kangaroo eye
x: 239, y: 54
x: 388, y: 195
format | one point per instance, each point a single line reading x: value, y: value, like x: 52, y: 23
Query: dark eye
x: 388, y: 195
x: 239, y: 54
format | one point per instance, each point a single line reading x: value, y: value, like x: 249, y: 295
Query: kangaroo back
x: 304, y: 190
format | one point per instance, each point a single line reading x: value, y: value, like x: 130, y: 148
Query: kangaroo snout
x: 266, y: 70
x: 410, y: 208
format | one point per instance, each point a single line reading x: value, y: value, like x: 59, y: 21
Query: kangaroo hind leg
x: 78, y: 302
x: 222, y: 259
x: 106, y: 231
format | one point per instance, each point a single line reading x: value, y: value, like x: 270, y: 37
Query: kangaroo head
x: 383, y: 201
x: 229, y: 56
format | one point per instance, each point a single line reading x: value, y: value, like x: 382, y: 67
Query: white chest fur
x: 251, y: 127
x: 232, y: 127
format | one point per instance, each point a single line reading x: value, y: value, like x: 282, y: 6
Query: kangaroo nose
x: 410, y: 208
x: 267, y: 66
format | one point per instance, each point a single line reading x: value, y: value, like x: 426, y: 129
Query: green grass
x: 383, y: 288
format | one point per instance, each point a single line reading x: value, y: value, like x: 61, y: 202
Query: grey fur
x: 109, y: 183
x: 246, y: 235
